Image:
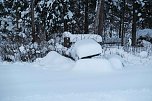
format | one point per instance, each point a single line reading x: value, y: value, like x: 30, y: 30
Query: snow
x: 22, y: 34
x: 34, y: 45
x: 93, y: 66
x: 144, y: 32
x: 141, y: 19
x: 143, y: 54
x: 130, y: 42
x: 116, y: 62
x: 23, y: 13
x: 143, y: 4
x: 84, y: 48
x: 53, y: 58
x: 70, y: 14
x: 0, y: 59
x: 22, y: 49
x: 139, y: 14
x: 57, y: 78
x: 146, y: 43
x: 50, y: 2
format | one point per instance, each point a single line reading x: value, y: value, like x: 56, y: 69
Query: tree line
x: 34, y: 23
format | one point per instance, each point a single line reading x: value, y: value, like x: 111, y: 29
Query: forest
x: 29, y: 28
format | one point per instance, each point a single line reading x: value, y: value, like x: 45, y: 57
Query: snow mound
x: 93, y: 65
x: 143, y: 54
x: 84, y: 48
x: 54, y: 59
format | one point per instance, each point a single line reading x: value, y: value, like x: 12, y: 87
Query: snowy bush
x: 24, y: 52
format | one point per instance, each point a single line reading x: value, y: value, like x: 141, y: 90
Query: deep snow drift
x: 57, y: 78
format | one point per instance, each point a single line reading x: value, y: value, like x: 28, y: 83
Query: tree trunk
x: 120, y: 29
x: 123, y: 28
x: 63, y: 14
x: 17, y: 18
x: 134, y: 25
x: 86, y: 17
x: 101, y: 18
x: 32, y: 19
x: 65, y: 20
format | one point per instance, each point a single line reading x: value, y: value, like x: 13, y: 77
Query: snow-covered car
x: 144, y: 34
x: 84, y: 49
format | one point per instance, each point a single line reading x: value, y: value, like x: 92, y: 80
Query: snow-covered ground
x: 55, y: 78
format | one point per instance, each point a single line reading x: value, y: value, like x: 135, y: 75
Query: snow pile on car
x: 144, y: 33
x: 84, y: 48
x: 56, y: 62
